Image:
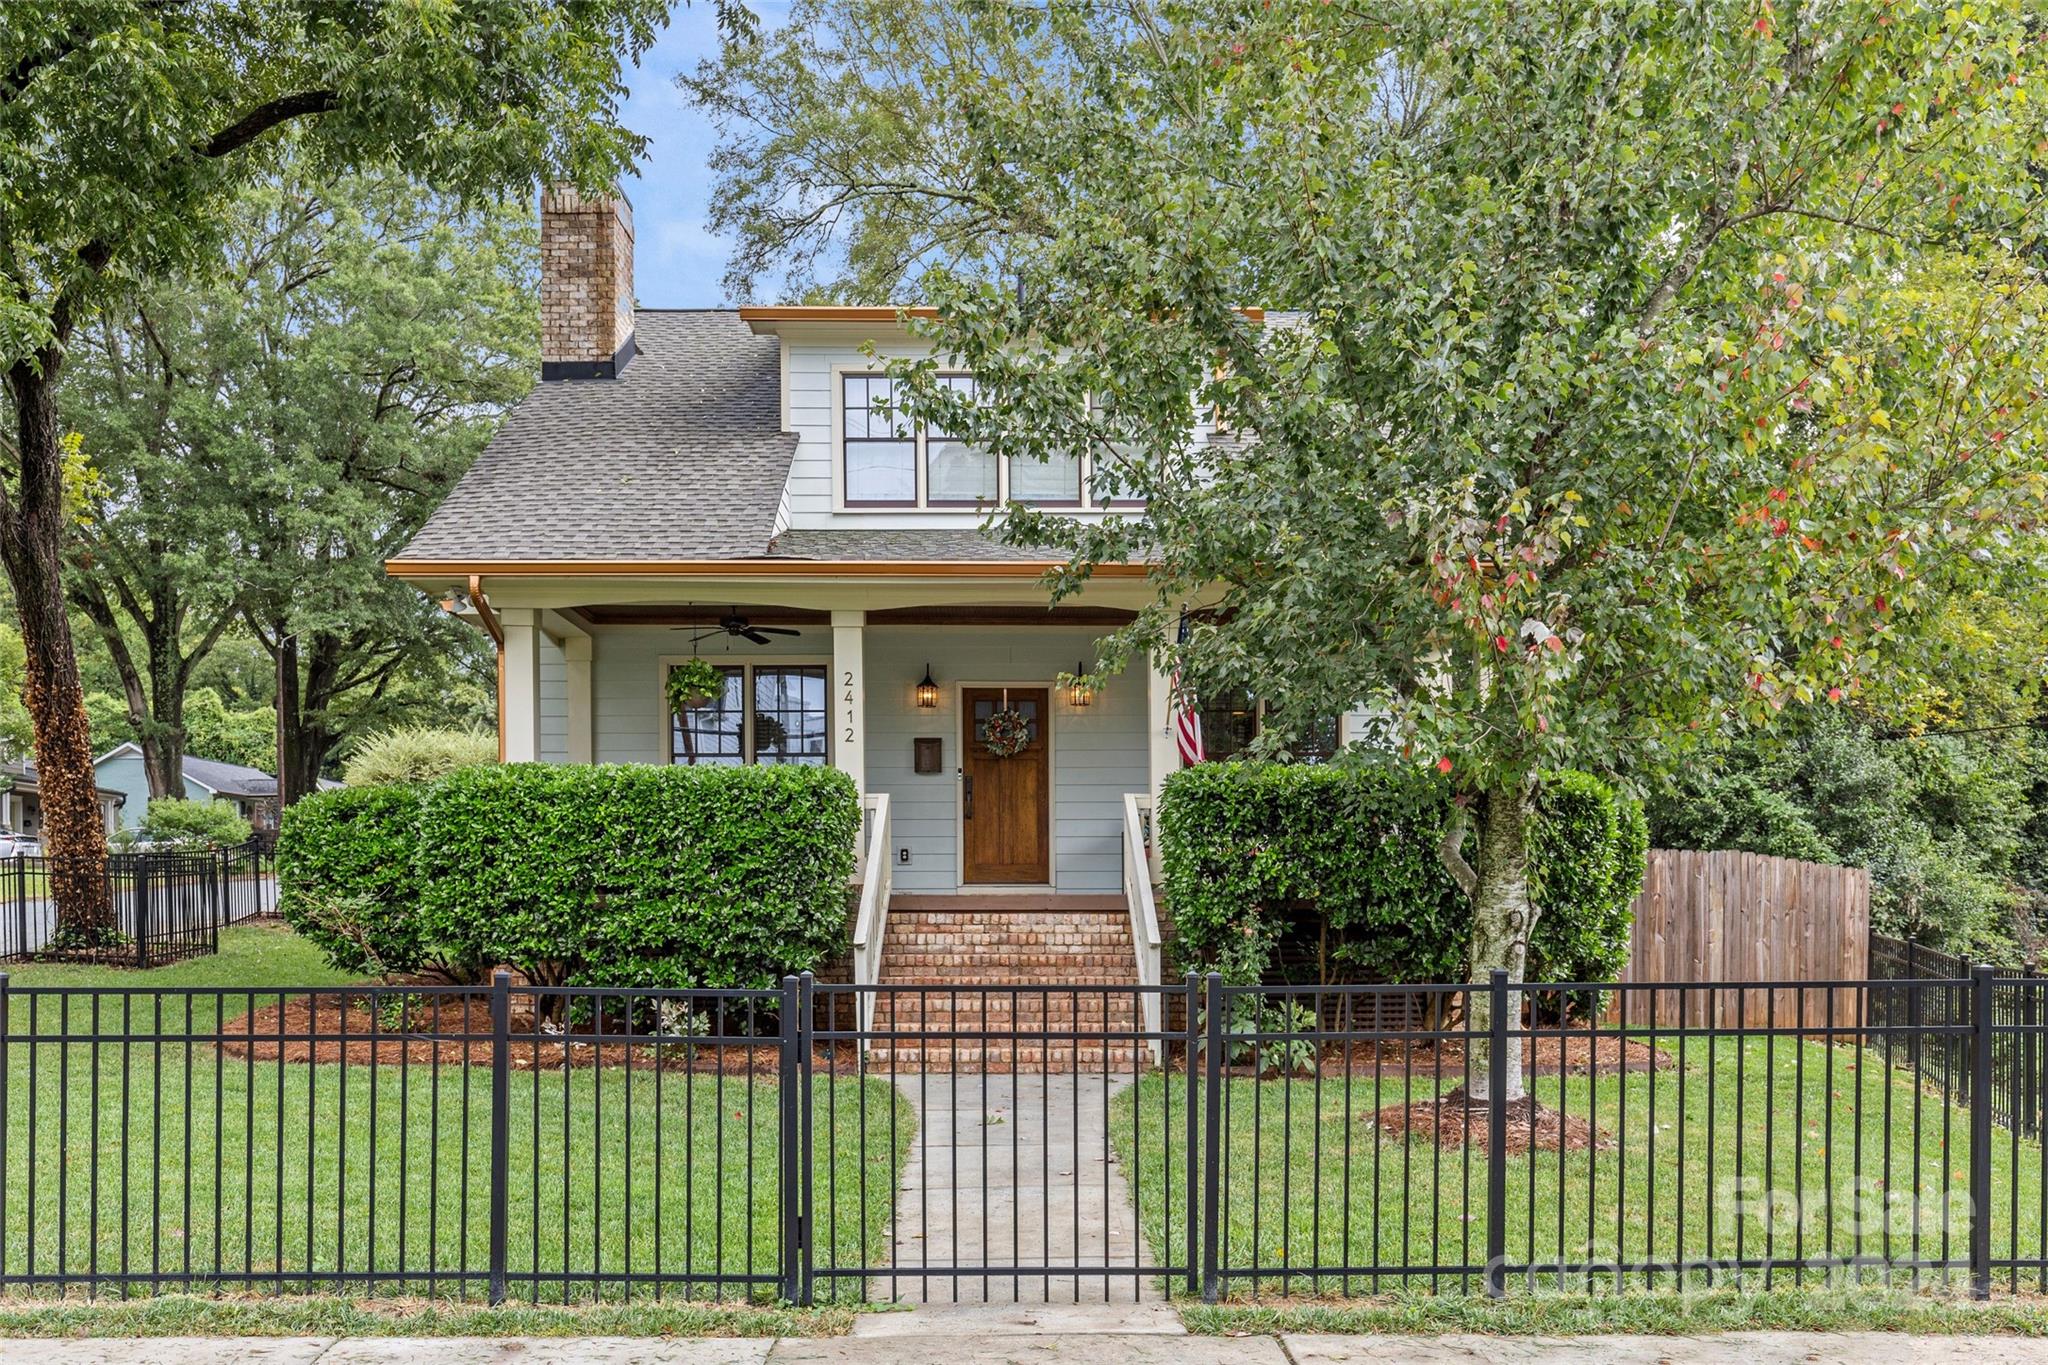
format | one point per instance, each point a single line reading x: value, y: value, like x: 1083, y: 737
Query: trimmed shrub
x: 417, y: 754
x: 347, y: 880
x: 175, y: 820
x: 1250, y: 851
x: 1588, y: 851
x: 640, y: 875
x: 1253, y: 853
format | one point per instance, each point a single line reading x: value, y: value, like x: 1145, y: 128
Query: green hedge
x: 1588, y: 851
x: 1253, y: 852
x: 640, y: 875
x: 347, y: 878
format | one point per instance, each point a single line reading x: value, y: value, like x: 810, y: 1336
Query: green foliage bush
x: 417, y: 754
x: 1954, y: 829
x: 1250, y: 852
x: 174, y: 820
x: 1588, y: 851
x: 347, y: 879
x: 640, y: 875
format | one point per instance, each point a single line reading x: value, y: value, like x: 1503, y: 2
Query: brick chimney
x: 586, y: 284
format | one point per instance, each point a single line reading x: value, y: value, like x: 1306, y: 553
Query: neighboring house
x: 251, y: 791
x: 714, y: 483
x: 21, y: 800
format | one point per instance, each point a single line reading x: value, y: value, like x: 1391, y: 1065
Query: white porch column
x: 849, y: 692
x: 519, y: 723
x: 1159, y: 720
x: 576, y: 655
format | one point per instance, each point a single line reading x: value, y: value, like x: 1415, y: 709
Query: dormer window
x: 956, y: 474
x: 1048, y: 483
x: 881, y: 451
x: 890, y: 461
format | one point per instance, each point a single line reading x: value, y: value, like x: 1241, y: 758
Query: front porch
x: 1057, y: 834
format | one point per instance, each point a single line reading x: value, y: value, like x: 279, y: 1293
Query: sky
x: 677, y: 261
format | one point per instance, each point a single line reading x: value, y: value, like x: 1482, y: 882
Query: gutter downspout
x: 497, y: 634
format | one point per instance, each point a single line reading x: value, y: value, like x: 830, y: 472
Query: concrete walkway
x: 1025, y: 1347
x: 1012, y: 1171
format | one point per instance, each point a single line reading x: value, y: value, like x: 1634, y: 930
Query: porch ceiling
x: 711, y: 614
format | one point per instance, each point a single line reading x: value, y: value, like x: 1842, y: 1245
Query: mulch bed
x: 1453, y: 1120
x: 328, y: 1028
x: 1602, y: 1054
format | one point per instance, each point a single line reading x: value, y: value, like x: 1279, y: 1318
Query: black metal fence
x: 833, y: 1142
x: 154, y: 907
x: 2018, y: 1098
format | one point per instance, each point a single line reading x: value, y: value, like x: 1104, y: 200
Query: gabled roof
x: 222, y: 779
x: 20, y: 775
x: 678, y: 458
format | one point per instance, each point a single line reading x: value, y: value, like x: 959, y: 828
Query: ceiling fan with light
x: 737, y: 625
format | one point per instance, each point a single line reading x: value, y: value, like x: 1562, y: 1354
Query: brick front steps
x: 949, y: 960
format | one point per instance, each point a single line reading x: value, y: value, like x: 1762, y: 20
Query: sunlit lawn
x: 1779, y: 1149
x: 121, y: 1157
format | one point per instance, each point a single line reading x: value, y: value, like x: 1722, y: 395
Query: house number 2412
x: 849, y: 706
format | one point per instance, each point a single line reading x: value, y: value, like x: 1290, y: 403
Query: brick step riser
x: 956, y: 953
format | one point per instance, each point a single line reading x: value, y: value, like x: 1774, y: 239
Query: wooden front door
x: 1005, y: 803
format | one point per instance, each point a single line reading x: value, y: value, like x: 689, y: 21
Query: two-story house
x: 727, y: 485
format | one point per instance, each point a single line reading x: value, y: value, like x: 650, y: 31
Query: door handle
x: 967, y: 798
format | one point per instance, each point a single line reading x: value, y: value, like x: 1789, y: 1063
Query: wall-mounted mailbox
x: 925, y: 755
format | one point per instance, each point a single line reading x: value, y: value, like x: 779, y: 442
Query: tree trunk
x: 156, y: 707
x: 304, y: 737
x: 31, y: 543
x: 1502, y: 918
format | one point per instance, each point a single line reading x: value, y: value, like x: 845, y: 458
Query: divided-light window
x: 1232, y: 719
x: 890, y: 461
x: 765, y: 713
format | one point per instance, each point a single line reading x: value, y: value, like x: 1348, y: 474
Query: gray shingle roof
x: 677, y: 458
x: 936, y: 545
x: 230, y: 779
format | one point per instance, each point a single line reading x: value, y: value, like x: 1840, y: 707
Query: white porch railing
x: 1139, y: 876
x: 871, y: 922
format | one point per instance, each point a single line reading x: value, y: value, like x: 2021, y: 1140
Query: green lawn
x: 121, y: 1156
x: 1780, y: 1148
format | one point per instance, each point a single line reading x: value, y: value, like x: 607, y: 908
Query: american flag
x: 1187, y: 722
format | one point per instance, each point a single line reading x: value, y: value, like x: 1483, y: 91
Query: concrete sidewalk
x: 1012, y: 1171
x: 1017, y: 1343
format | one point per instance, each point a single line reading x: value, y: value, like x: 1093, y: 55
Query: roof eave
x: 438, y: 570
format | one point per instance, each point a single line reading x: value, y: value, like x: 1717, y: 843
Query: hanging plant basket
x: 692, y: 685
x: 1006, y: 733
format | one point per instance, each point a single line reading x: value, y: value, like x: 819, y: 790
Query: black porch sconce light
x: 928, y: 691
x: 1078, y: 692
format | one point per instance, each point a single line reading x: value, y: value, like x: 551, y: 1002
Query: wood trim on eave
x: 832, y: 313
x: 753, y: 313
x: 742, y: 568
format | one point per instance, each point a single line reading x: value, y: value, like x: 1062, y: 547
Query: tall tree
x: 127, y: 129
x: 1630, y: 372
x: 383, y: 376
x: 159, y: 387
x: 355, y: 344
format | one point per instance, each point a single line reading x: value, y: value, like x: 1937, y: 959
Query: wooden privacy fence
x: 1727, y: 916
